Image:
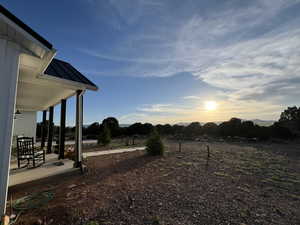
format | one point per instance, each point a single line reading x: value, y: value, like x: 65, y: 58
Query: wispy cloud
x: 251, y: 49
x: 133, y: 117
x: 168, y: 109
x: 192, y: 97
x: 174, y: 113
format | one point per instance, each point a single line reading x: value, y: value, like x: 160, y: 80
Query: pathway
x: 114, y: 151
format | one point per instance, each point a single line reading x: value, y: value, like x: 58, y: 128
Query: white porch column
x: 79, y: 122
x: 9, y: 71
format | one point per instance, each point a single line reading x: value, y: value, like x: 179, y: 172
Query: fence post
x: 208, y: 151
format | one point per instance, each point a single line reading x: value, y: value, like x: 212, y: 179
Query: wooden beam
x: 62, y: 129
x: 50, y: 130
x: 43, y: 133
x: 78, y: 131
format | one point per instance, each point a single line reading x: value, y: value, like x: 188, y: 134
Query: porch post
x: 9, y: 71
x: 62, y: 129
x: 43, y: 140
x: 78, y: 131
x: 50, y: 130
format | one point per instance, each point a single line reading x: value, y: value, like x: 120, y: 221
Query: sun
x: 210, y: 105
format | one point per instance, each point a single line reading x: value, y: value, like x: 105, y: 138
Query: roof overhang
x: 68, y: 83
x: 23, y: 29
x: 36, y: 90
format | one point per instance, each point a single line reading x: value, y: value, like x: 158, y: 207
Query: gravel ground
x: 238, y: 184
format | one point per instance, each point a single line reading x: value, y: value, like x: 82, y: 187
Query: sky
x: 161, y: 61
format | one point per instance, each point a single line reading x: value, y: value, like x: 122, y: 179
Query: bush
x: 154, y: 145
x: 104, y: 137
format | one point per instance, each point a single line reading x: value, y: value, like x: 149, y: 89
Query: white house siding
x: 9, y: 70
x: 25, y: 124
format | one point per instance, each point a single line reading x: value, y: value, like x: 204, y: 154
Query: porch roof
x: 64, y: 70
x: 43, y: 80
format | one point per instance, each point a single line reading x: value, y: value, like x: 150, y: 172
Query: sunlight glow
x: 210, y: 105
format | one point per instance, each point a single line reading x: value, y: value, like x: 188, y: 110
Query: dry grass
x: 238, y: 184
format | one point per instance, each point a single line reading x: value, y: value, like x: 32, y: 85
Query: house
x: 33, y: 80
x: 25, y: 119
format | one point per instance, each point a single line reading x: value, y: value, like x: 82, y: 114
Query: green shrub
x: 104, y: 137
x: 154, y: 145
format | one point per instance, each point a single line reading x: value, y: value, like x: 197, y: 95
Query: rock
x: 72, y: 186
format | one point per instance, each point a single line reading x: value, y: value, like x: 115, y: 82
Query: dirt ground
x: 238, y: 184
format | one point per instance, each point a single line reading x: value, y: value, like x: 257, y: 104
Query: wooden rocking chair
x: 27, y: 152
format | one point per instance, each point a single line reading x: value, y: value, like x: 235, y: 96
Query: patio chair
x: 27, y: 152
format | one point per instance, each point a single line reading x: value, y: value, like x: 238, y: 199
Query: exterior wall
x: 9, y: 71
x: 25, y: 125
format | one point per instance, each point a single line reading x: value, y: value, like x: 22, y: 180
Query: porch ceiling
x: 36, y: 93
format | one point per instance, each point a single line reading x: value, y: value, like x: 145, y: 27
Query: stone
x: 72, y: 186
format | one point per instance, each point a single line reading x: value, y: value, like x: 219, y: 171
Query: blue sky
x: 159, y: 61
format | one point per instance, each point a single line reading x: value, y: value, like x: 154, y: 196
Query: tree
x: 112, y: 124
x: 146, y: 129
x: 154, y: 145
x: 193, y: 129
x: 280, y: 131
x: 247, y: 129
x: 178, y: 129
x: 104, y: 137
x: 231, y: 127
x: 134, y: 129
x: 92, y: 131
x: 291, y: 113
x: 210, y: 128
x: 164, y: 129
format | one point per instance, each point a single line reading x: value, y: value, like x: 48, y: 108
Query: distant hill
x: 125, y: 125
x: 265, y: 123
x: 202, y: 123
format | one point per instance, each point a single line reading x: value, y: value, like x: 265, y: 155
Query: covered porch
x: 52, y: 167
x: 42, y: 93
x: 33, y: 80
x: 59, y: 82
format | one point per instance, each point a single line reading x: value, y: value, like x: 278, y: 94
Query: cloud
x: 174, y: 113
x: 223, y: 56
x: 251, y: 49
x: 133, y: 117
x: 192, y: 97
x: 121, y: 14
x: 169, y: 109
x: 216, y: 48
x: 128, y: 59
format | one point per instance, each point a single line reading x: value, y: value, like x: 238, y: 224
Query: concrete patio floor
x: 24, y: 175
